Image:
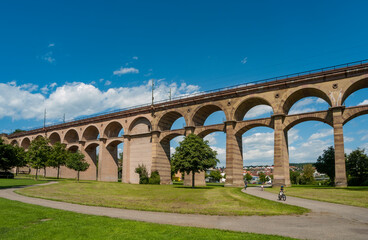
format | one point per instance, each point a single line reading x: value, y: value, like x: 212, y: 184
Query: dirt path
x: 327, y: 220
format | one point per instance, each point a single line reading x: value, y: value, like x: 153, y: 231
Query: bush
x: 143, y: 174
x: 155, y: 178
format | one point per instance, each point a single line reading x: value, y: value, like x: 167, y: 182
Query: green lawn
x: 25, y: 221
x: 354, y: 196
x: 8, y: 183
x: 214, y: 200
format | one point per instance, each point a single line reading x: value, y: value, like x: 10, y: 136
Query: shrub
x: 143, y: 174
x: 155, y: 178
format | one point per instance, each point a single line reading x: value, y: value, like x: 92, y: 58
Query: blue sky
x: 103, y: 55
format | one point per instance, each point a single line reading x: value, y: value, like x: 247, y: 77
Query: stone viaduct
x: 147, y: 129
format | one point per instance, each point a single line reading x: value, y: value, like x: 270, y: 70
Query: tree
x: 17, y: 131
x: 76, y: 162
x: 294, y: 177
x: 357, y: 167
x: 120, y: 165
x: 215, y: 175
x: 308, y: 171
x: 7, y: 156
x: 248, y: 177
x: 58, y: 157
x: 326, y: 163
x: 262, y: 177
x: 38, y: 153
x: 193, y: 155
x: 21, y: 160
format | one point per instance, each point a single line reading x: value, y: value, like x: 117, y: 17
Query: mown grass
x: 354, y: 196
x: 25, y: 221
x: 9, y: 183
x: 212, y: 200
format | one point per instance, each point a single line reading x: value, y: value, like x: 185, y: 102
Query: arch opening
x: 301, y: 94
x: 356, y: 136
x: 114, y: 129
x: 14, y: 143
x: 71, y: 136
x: 308, y: 104
x: 54, y: 138
x: 25, y: 143
x: 171, y: 121
x: 209, y: 115
x: 253, y: 108
x: 357, y: 98
x: 73, y: 148
x: 91, y: 133
x: 355, y: 87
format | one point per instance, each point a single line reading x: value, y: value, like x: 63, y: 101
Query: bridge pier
x: 107, y: 163
x: 161, y: 158
x: 90, y: 157
x: 234, y: 157
x: 340, y: 169
x: 281, y: 175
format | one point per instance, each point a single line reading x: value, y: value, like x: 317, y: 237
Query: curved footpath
x: 326, y: 221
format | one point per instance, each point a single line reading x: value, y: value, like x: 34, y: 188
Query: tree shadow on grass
x: 189, y: 187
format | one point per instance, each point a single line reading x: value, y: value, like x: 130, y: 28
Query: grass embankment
x: 211, y: 200
x: 9, y: 183
x: 25, y: 221
x: 354, y: 196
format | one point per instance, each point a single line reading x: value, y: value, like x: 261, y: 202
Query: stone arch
x: 112, y: 129
x: 246, y: 104
x: 14, y: 143
x: 300, y: 93
x: 71, y: 136
x: 354, y: 113
x: 167, y: 138
x: 90, y: 133
x: 54, y: 138
x: 168, y: 119
x: 38, y: 137
x: 73, y: 148
x: 26, y: 142
x: 248, y: 127
x: 308, y: 117
x: 357, y: 85
x: 140, y: 125
x: 202, y: 112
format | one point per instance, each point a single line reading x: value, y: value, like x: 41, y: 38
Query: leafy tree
x: 215, y: 175
x: 357, y: 167
x: 38, y: 153
x: 143, y: 174
x: 120, y: 164
x: 21, y: 160
x: 248, y: 177
x: 76, y: 162
x: 308, y: 171
x: 262, y: 177
x: 294, y: 177
x: 326, y: 163
x: 193, y: 155
x: 7, y: 156
x: 58, y: 157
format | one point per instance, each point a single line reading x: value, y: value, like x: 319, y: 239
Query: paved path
x: 326, y: 221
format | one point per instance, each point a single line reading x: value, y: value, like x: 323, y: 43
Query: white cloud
x: 77, y: 99
x: 321, y: 134
x: 123, y: 70
x: 51, y: 45
x: 211, y: 138
x: 365, y: 102
x: 309, y: 104
x: 29, y: 87
x: 258, y: 148
x: 107, y: 83
x: 348, y: 139
x: 45, y: 89
x: 135, y: 58
x: 258, y: 111
x: 244, y: 60
x: 52, y: 85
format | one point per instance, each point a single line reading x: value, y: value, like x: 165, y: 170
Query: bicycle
x: 282, y: 196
